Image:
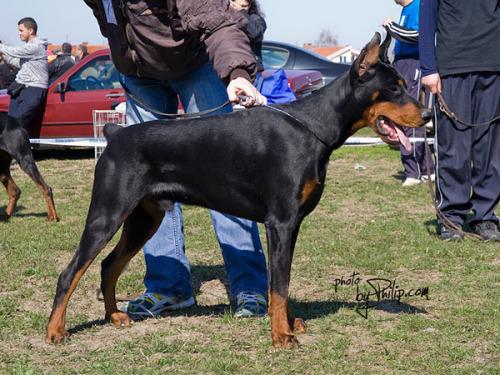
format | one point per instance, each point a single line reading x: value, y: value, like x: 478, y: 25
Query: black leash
x: 215, y: 109
x: 172, y: 115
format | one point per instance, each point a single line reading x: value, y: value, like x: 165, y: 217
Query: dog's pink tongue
x: 404, y: 139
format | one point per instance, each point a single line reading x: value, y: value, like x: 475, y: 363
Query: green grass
x: 366, y: 222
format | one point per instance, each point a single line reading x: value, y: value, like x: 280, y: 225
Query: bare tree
x: 326, y: 38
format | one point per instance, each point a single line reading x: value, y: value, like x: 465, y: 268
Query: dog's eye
x: 395, y: 89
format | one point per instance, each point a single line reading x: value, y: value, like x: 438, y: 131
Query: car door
x: 92, y: 85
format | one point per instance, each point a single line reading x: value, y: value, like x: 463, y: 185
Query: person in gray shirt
x: 28, y: 91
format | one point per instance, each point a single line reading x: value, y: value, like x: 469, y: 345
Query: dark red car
x: 92, y: 84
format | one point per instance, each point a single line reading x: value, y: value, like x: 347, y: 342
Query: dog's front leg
x: 12, y: 191
x: 280, y: 240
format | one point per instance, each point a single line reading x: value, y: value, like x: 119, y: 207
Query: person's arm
x: 227, y: 45
x: 9, y: 59
x: 26, y: 51
x: 222, y: 31
x: 93, y: 4
x: 401, y: 33
x: 427, y: 45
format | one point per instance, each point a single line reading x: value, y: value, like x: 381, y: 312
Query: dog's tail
x: 110, y: 129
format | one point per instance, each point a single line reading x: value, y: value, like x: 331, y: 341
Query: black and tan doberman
x: 267, y: 165
x: 15, y: 144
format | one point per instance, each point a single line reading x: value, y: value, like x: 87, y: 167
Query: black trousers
x: 468, y: 158
x: 413, y: 161
x: 28, y: 107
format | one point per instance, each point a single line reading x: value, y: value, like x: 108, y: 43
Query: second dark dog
x: 262, y: 164
x: 15, y: 144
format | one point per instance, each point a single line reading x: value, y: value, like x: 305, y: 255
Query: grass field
x: 365, y: 223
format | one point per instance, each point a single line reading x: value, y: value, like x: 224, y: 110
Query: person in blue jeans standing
x: 193, y: 49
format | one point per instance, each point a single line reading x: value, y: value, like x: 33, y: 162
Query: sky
x: 292, y: 21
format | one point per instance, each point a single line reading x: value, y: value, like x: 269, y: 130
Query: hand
x: 239, y: 5
x: 241, y: 86
x: 386, y: 22
x: 432, y: 82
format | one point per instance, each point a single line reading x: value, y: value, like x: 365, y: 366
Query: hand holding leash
x: 240, y: 87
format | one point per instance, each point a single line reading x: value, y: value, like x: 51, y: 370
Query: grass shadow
x: 17, y: 213
x: 318, y: 309
x: 400, y: 176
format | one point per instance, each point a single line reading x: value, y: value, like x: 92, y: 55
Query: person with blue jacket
x: 406, y: 61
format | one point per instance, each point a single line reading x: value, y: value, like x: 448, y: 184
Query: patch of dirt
x: 213, y: 292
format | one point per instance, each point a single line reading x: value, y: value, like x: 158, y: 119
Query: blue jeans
x: 167, y: 267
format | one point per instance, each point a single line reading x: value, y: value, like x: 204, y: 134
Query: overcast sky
x: 293, y: 21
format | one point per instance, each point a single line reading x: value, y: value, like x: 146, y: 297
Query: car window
x: 97, y: 74
x: 274, y: 58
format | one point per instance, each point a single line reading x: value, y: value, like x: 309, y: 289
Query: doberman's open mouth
x: 392, y: 133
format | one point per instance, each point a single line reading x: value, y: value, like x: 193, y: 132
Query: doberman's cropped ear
x: 368, y: 57
x: 384, y: 48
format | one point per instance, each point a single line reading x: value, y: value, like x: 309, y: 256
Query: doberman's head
x: 381, y: 96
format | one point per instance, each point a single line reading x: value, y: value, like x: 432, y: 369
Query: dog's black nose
x: 426, y: 114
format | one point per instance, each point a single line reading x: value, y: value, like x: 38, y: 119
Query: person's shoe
x: 154, y: 304
x: 425, y: 177
x: 410, y: 181
x: 447, y: 234
x: 487, y: 230
x: 250, y: 304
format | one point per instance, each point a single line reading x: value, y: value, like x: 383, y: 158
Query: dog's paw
x: 56, y: 336
x: 52, y: 218
x: 120, y: 319
x: 298, y: 325
x: 4, y: 217
x: 285, y: 341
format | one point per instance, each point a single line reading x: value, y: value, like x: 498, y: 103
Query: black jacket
x: 7, y: 75
x: 466, y: 34
x: 59, y: 66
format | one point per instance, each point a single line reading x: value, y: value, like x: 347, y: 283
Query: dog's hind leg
x: 138, y: 228
x: 107, y: 212
x: 280, y: 238
x: 27, y: 164
x: 10, y: 186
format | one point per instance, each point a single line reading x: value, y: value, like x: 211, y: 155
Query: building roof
x: 331, y: 52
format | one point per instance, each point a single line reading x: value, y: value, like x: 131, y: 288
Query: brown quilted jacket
x: 166, y: 39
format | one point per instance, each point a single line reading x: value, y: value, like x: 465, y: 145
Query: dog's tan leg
x: 56, y: 329
x: 12, y: 191
x: 140, y: 225
x: 49, y: 198
x: 281, y: 333
x: 281, y: 241
x: 28, y: 165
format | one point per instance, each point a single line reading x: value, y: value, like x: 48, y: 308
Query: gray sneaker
x: 450, y: 234
x: 154, y: 304
x: 250, y: 304
x: 487, y: 230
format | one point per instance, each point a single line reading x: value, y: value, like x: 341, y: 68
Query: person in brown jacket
x: 195, y: 51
